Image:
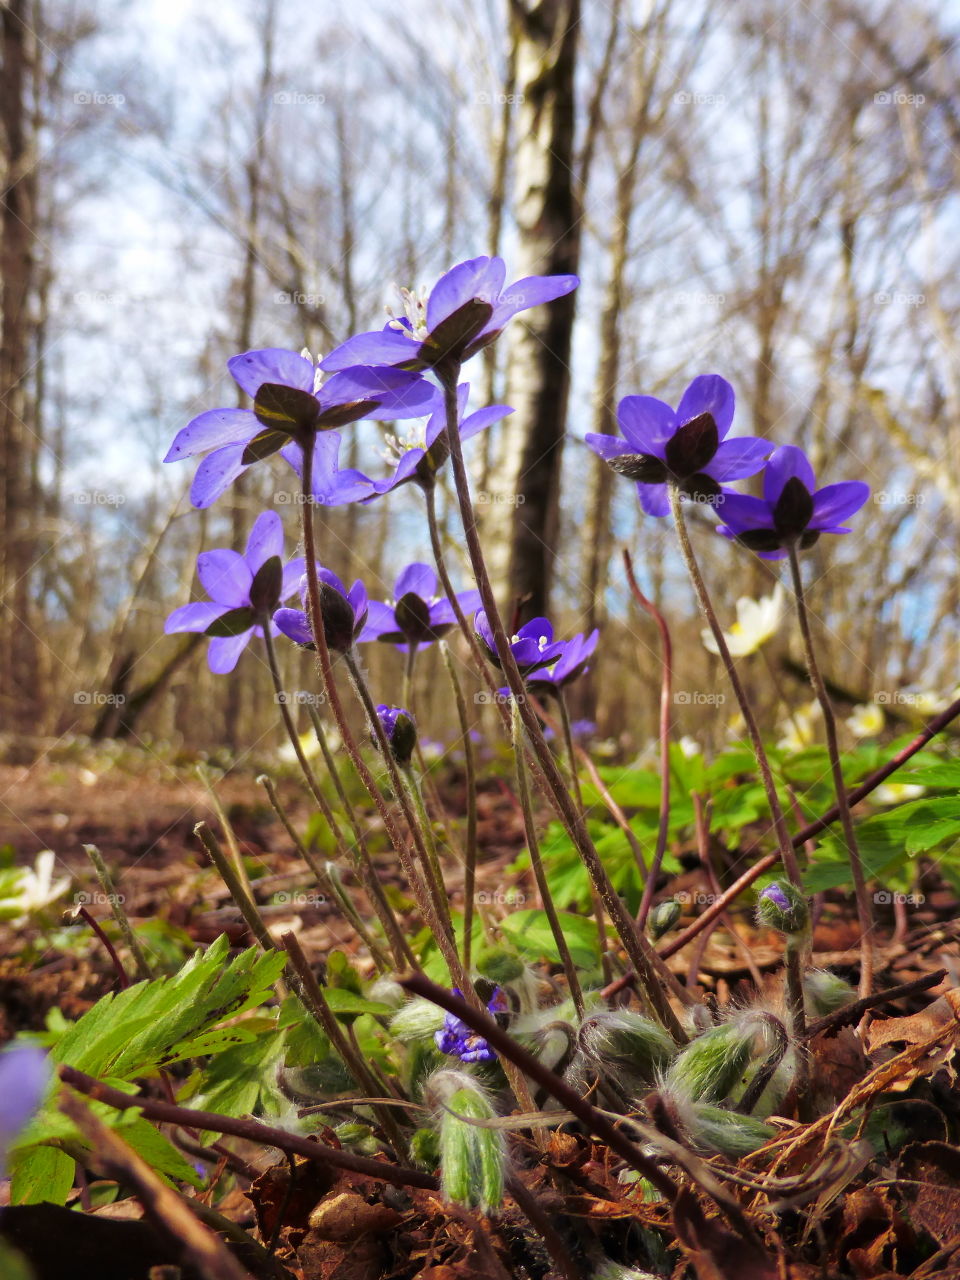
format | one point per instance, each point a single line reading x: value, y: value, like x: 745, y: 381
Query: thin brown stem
x: 864, y: 911
x: 470, y: 780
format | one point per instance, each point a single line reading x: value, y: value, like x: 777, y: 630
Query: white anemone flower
x: 866, y: 721
x: 35, y: 888
x: 757, y: 621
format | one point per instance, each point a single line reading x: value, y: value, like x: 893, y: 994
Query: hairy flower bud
x: 713, y: 1129
x: 473, y: 1158
x: 418, y: 1019
x: 825, y: 993
x: 400, y: 730
x: 663, y: 917
x: 783, y: 907
x: 631, y: 1047
x: 713, y: 1064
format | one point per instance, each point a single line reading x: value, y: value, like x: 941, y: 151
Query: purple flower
x: 465, y: 311
x: 792, y: 511
x: 573, y: 662
x: 456, y: 1038
x: 774, y: 893
x: 782, y: 906
x: 686, y: 446
x: 289, y: 405
x: 417, y: 614
x: 417, y: 457
x: 244, y: 590
x: 533, y: 646
x: 24, y: 1077
x: 401, y: 732
x: 343, y: 613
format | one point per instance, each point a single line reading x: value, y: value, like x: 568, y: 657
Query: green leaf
x: 529, y: 930
x: 39, y: 1174
x: 342, y: 1001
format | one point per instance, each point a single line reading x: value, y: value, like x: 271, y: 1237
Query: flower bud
x: 715, y: 1062
x: 425, y: 1149
x: 663, y: 917
x: 825, y: 993
x: 632, y: 1047
x: 400, y: 730
x: 713, y: 1129
x: 418, y: 1019
x: 783, y: 907
x: 473, y: 1159
x: 358, y: 1137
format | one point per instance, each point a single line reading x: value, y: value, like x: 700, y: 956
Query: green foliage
x: 135, y: 1034
x: 529, y: 931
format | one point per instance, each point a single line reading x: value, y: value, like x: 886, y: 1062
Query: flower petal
x: 226, y: 577
x: 785, y: 462
x: 193, y: 617
x: 376, y: 347
x: 654, y: 499
x: 212, y: 430
x: 381, y: 620
x: 739, y: 511
x: 272, y: 364
x: 708, y: 394
x: 471, y: 279
x: 398, y: 394
x: 265, y: 540
x: 647, y: 423
x: 837, y: 502
x: 531, y: 291
x: 483, y: 418
x: 224, y: 652
x: 419, y: 578
x: 736, y: 458
x: 293, y: 571
x: 293, y: 623
x: 215, y: 473
x: 607, y: 447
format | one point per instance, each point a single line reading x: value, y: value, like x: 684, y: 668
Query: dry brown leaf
x: 346, y: 1216
x: 916, y: 1027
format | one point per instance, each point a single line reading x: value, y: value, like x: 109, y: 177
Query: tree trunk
x: 548, y: 218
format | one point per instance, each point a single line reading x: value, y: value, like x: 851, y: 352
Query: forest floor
x: 816, y: 1201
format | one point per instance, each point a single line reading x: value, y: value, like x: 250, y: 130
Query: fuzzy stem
x: 116, y: 906
x: 666, y: 685
x: 281, y: 698
x: 787, y: 855
x: 470, y: 771
x: 533, y: 846
x: 362, y: 858
x: 796, y: 957
x: 633, y: 942
x: 596, y: 903
x: 864, y: 912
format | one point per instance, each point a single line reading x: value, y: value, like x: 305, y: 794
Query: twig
x: 854, y: 1012
x: 116, y: 906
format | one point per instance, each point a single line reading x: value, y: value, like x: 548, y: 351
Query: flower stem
x: 864, y: 913
x: 431, y: 897
x: 291, y: 728
x: 784, y: 844
x: 116, y: 906
x: 470, y: 771
x: 666, y: 684
x: 633, y: 942
x: 533, y: 846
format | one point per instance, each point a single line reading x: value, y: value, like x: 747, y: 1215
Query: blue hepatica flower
x: 25, y: 1074
x: 792, y: 511
x: 291, y: 405
x: 533, y: 645
x: 464, y: 312
x: 244, y: 590
x: 416, y: 457
x: 686, y: 446
x: 344, y: 614
x: 417, y: 614
x: 401, y: 732
x: 573, y: 662
x: 456, y: 1038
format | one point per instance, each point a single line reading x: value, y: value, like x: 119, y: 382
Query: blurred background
x: 762, y: 190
